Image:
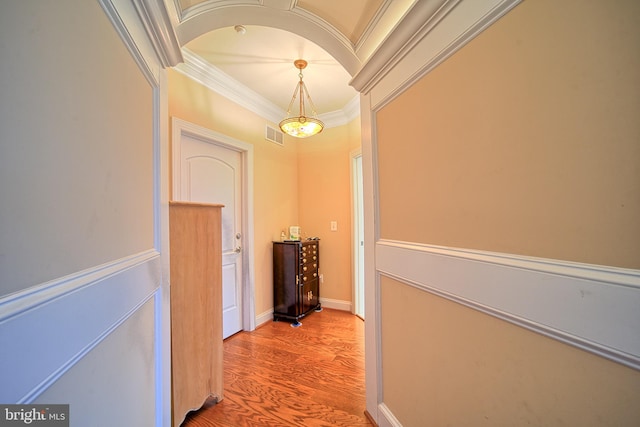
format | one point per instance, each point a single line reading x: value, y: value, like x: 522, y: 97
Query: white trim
x: 330, y: 32
x: 427, y: 35
x: 205, y: 6
x: 157, y: 24
x: 373, y: 358
x: 264, y: 317
x: 161, y: 167
x: 129, y: 281
x: 386, y: 417
x: 350, y: 111
x: 213, y: 78
x: 357, y: 252
x: 31, y: 298
x: 604, y: 274
x: 423, y: 17
x: 37, y: 320
x: 341, y: 117
x: 365, y: 37
x: 127, y: 24
x: 248, y: 273
x: 591, y: 307
x: 216, y: 80
x: 211, y: 15
x: 336, y: 304
x: 183, y: 128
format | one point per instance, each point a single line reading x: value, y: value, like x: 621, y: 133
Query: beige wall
x: 76, y: 147
x: 527, y: 142
x: 77, y: 232
x: 325, y: 196
x: 281, y: 174
x: 445, y: 364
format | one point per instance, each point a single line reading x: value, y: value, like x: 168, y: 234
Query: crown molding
x: 213, y: 78
x: 211, y: 15
x: 124, y: 19
x: 326, y: 26
x: 372, y: 24
x: 157, y: 24
x: 427, y: 35
x: 341, y: 117
x: 279, y: 4
x: 254, y: 8
x: 415, y: 25
x: 352, y: 109
x: 207, y: 6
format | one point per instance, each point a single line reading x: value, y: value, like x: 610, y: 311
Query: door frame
x: 357, y: 234
x: 182, y: 128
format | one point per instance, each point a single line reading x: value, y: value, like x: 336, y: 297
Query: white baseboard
x: 386, y: 417
x: 336, y: 304
x: 264, y: 317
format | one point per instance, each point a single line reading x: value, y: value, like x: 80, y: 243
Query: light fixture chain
x: 293, y: 99
x: 301, y: 126
x: 311, y: 104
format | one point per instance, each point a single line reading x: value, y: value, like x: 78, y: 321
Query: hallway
x: 284, y: 376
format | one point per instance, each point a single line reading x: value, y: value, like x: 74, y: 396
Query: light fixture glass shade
x: 301, y: 126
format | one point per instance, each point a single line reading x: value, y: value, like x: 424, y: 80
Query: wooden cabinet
x: 296, y: 279
x: 196, y: 305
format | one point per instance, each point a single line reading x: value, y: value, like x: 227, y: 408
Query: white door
x: 212, y: 173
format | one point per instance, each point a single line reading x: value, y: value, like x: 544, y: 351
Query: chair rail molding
x: 48, y: 311
x: 591, y: 307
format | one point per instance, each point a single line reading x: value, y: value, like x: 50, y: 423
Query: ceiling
x: 262, y: 60
x: 258, y: 63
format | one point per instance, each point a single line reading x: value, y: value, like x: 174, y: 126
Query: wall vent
x: 274, y: 135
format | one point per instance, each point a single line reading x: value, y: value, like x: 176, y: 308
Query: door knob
x: 238, y: 249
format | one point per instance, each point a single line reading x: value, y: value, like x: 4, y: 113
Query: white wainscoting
x: 116, y: 373
x: 595, y: 308
x: 48, y: 329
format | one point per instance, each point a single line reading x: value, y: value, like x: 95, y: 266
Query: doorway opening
x: 357, y: 210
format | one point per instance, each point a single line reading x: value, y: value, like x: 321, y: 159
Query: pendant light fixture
x: 301, y: 126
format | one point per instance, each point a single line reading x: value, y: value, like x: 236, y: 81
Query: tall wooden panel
x: 196, y: 305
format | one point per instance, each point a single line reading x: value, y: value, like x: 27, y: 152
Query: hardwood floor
x: 283, y: 376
